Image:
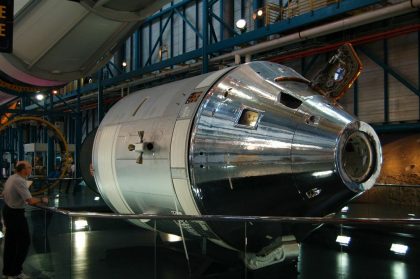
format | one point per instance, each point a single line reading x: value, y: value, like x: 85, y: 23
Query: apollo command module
x: 256, y: 139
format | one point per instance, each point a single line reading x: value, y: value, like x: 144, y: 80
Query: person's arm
x: 23, y: 191
x: 34, y: 201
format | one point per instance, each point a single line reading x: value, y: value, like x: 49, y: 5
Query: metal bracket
x: 140, y: 147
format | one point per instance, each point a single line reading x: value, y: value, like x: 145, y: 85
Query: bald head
x: 23, y: 168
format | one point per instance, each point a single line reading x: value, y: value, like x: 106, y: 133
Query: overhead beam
x: 390, y: 70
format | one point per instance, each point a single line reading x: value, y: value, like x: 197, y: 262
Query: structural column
x: 100, y: 96
x: 205, y: 26
x: 51, y: 147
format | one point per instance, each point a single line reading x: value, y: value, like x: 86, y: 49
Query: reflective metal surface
x: 304, y: 157
x: 254, y: 140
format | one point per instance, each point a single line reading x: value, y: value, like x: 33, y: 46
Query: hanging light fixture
x: 241, y: 25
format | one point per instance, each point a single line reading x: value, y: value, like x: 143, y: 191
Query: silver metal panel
x: 263, y: 136
x: 179, y: 138
x: 315, y: 140
x: 163, y: 115
x: 104, y: 165
x: 179, y: 173
x: 155, y: 115
x: 250, y: 144
x: 211, y: 79
x: 155, y: 131
x: 183, y: 192
x: 144, y: 184
x: 220, y: 150
x: 285, y: 142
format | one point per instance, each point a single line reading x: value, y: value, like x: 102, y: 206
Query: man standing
x: 17, y: 239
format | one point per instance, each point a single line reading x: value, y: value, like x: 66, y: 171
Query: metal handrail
x: 233, y: 218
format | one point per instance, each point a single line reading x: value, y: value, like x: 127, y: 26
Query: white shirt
x: 16, y: 191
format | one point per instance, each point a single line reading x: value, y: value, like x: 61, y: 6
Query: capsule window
x: 289, y: 101
x: 249, y: 118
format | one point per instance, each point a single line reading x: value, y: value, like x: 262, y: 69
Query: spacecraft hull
x: 255, y: 139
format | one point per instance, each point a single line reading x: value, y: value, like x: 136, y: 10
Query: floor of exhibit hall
x: 110, y: 248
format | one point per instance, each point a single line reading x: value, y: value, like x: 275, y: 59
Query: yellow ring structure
x: 57, y: 132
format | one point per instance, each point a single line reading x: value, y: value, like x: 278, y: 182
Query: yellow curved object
x: 6, y: 116
x: 57, y: 132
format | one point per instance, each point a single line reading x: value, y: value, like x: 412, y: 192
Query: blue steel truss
x: 144, y: 65
x: 211, y: 44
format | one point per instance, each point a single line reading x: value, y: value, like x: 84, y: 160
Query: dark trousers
x: 16, y: 241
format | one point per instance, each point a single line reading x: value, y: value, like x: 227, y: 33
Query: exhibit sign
x: 6, y: 26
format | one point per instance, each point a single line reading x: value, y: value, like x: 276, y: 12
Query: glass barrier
x: 77, y: 236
